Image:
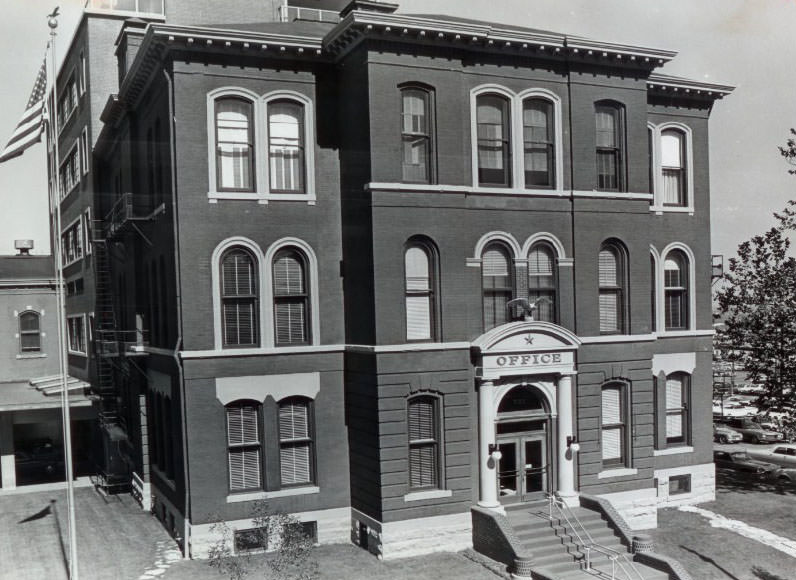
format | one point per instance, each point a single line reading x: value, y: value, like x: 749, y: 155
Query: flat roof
x: 22, y: 396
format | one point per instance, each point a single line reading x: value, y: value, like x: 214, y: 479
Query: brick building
x: 378, y: 268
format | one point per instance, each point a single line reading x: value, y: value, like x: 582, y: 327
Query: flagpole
x: 52, y: 22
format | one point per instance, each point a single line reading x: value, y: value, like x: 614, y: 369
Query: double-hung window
x: 538, y: 143
x: 76, y: 330
x: 420, y: 297
x: 612, y: 275
x: 296, y: 456
x: 239, y: 299
x: 291, y: 298
x: 29, y: 332
x: 234, y: 144
x: 244, y: 446
x: 542, y: 283
x: 610, y: 147
x: 416, y: 135
x: 423, y: 442
x: 493, y: 122
x: 673, y: 168
x: 675, y: 278
x: 677, y: 408
x: 286, y: 146
x: 613, y: 436
x: 497, y: 285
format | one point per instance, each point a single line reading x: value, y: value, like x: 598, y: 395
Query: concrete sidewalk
x: 116, y: 540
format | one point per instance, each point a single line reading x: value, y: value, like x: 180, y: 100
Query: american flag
x: 30, y: 127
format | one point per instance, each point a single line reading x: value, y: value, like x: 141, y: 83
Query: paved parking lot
x: 116, y: 540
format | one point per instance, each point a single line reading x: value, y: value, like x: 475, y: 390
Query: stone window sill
x: 258, y: 495
x: 673, y: 450
x: 429, y: 494
x: 620, y: 472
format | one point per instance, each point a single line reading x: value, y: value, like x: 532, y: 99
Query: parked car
x: 752, y: 431
x: 723, y: 434
x: 782, y: 455
x: 784, y: 475
x: 730, y: 410
x: 741, y: 462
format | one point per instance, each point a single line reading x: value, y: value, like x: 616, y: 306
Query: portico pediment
x: 526, y: 348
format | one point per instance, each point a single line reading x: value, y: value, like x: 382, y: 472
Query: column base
x: 570, y: 498
x: 494, y: 506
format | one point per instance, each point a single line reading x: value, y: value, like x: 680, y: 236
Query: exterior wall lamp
x: 494, y: 452
x: 572, y: 443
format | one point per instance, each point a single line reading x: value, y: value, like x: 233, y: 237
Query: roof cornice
x: 491, y: 37
x: 675, y: 86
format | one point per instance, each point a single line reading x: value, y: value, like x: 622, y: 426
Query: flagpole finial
x: 52, y: 19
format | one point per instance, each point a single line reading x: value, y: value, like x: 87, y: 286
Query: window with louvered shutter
x: 419, y: 293
x: 244, y: 449
x: 423, y: 443
x: 675, y: 279
x: 239, y: 299
x: 286, y: 146
x: 676, y: 408
x: 542, y: 282
x: 296, y: 457
x: 29, y: 333
x: 234, y: 145
x: 291, y: 298
x: 612, y: 425
x: 611, y: 289
x: 496, y: 284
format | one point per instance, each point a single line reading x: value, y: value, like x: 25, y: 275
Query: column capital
x: 568, y: 374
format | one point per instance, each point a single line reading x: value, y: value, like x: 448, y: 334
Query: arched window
x: 291, y: 298
x: 296, y: 451
x: 423, y: 426
x: 538, y: 142
x: 673, y: 168
x: 29, y: 332
x: 613, y: 425
x: 416, y: 135
x: 675, y: 280
x: 612, y: 282
x: 244, y: 447
x: 239, y: 298
x: 494, y: 140
x: 610, y: 139
x: 542, y: 282
x: 496, y: 285
x: 677, y: 408
x: 286, y: 146
x: 234, y: 144
x: 420, y: 299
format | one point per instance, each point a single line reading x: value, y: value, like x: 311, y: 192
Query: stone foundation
x: 703, y: 485
x: 414, y: 537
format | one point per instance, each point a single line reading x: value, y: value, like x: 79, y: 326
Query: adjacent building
x: 377, y: 268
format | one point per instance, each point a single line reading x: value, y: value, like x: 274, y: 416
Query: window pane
x: 611, y: 406
x: 242, y: 425
x: 295, y: 464
x: 30, y: 342
x: 609, y: 266
x: 417, y: 269
x: 293, y: 420
x: 609, y: 311
x: 612, y: 443
x: 423, y: 466
x: 606, y: 127
x: 418, y: 316
x: 421, y: 419
x: 494, y: 263
x: 234, y: 143
x: 674, y: 425
x: 291, y: 321
x: 288, y: 275
x: 414, y: 112
x: 493, y: 140
x: 672, y: 149
x: 238, y: 278
x: 29, y: 321
x: 244, y: 469
x: 286, y: 145
x: 538, y: 142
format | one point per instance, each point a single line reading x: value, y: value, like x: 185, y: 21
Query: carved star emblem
x: 529, y: 339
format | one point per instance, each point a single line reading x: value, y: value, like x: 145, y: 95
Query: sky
x: 745, y: 43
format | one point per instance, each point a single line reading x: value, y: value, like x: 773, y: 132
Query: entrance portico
x: 538, y: 357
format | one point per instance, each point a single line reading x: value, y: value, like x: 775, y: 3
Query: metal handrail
x: 616, y: 557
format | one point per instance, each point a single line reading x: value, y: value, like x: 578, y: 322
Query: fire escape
x: 115, y: 348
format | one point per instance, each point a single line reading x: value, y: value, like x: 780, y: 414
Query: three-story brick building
x: 391, y: 266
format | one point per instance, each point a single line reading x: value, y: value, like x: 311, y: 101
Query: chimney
x: 24, y: 247
x: 369, y: 6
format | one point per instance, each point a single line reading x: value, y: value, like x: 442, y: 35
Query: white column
x: 566, y: 457
x: 7, y: 464
x: 486, y: 436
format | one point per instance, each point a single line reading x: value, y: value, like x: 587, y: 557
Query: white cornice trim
x: 382, y: 186
x: 239, y: 352
x: 685, y: 333
x: 612, y: 194
x: 611, y: 338
x: 688, y: 86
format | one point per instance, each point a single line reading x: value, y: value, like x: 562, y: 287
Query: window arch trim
x: 262, y: 192
x: 688, y: 160
x: 30, y: 351
x: 515, y: 101
x: 312, y: 279
x: 661, y: 292
x: 218, y: 253
x: 515, y: 251
x: 558, y: 247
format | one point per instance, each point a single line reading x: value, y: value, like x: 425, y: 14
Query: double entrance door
x: 522, y: 470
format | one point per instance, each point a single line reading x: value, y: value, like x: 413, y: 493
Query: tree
x: 288, y: 550
x: 758, y: 302
x: 789, y: 151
